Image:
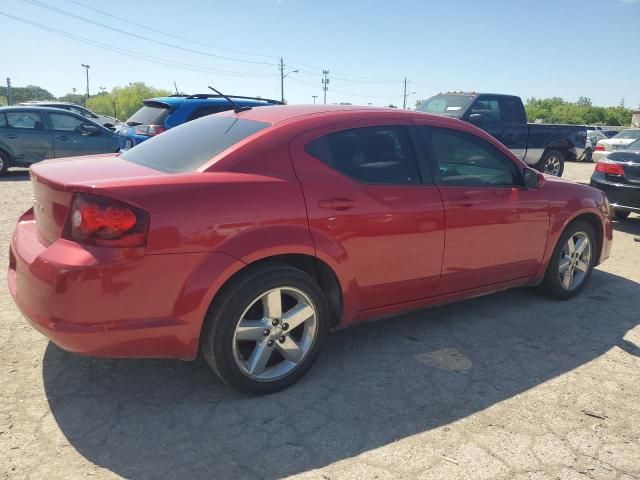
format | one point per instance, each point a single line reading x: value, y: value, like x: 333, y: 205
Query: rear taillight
x: 609, y: 168
x: 599, y: 148
x: 104, y: 222
x: 149, y: 130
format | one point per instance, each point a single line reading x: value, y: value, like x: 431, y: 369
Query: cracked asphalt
x: 507, y: 386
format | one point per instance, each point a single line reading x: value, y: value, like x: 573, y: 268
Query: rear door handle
x: 340, y: 204
x: 11, y: 135
x: 62, y: 138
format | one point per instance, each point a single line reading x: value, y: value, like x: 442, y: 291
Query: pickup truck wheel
x: 552, y: 163
x: 4, y: 163
x: 265, y: 328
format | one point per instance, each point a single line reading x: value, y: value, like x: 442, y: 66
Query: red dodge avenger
x: 249, y: 234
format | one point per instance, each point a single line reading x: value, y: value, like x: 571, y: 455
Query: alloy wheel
x: 552, y: 165
x: 575, y: 259
x: 275, y: 334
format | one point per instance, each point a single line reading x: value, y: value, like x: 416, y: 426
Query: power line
x: 134, y: 54
x: 142, y: 37
x: 167, y: 34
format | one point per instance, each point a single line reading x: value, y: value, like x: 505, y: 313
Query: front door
x: 69, y: 139
x: 367, y: 206
x: 496, y: 230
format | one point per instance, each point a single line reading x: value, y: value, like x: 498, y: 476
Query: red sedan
x: 248, y: 235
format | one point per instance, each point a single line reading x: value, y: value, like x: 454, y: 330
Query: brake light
x: 609, y: 168
x: 104, y: 222
x: 599, y: 148
x: 149, y: 130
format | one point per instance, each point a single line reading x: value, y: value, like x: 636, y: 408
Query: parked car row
x: 248, y: 234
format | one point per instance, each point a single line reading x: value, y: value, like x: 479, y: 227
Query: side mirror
x: 89, y: 129
x: 533, y: 179
x: 476, y: 118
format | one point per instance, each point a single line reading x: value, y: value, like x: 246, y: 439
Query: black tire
x: 4, y: 163
x: 552, y: 161
x: 227, y: 308
x: 588, y: 156
x: 551, y: 285
x: 620, y: 215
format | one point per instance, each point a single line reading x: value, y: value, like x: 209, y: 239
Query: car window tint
x: 489, y: 108
x: 190, y: 145
x: 464, y: 159
x: 3, y: 121
x: 65, y: 123
x: 149, y: 115
x: 204, y: 111
x: 379, y: 155
x: 25, y: 120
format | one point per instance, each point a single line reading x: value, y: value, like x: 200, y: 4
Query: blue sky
x: 566, y: 48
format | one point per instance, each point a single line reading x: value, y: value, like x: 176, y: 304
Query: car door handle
x: 337, y: 204
x: 466, y: 202
x: 11, y: 135
x: 62, y: 138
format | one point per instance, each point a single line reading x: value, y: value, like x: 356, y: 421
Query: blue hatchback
x: 161, y: 113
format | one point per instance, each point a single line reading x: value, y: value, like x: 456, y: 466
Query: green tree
x: 76, y: 98
x: 24, y: 94
x: 582, y: 112
x: 122, y: 102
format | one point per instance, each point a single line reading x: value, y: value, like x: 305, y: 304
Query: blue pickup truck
x: 543, y: 146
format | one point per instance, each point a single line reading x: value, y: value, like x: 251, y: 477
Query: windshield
x: 629, y: 134
x: 449, y: 105
x: 633, y: 145
x: 191, y: 145
x: 149, y: 115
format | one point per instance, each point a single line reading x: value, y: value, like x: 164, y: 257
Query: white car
x: 104, y: 120
x: 605, y: 146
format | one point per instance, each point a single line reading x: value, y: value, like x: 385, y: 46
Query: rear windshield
x: 449, y: 105
x: 629, y: 134
x: 191, y: 145
x: 149, y: 115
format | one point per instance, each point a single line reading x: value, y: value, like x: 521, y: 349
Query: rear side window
x: 378, y: 155
x: 210, y: 110
x: 149, y: 115
x: 25, y: 120
x: 190, y: 145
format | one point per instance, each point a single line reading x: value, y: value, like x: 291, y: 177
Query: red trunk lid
x: 54, y: 182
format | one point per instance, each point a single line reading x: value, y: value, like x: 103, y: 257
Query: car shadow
x: 15, y: 175
x: 631, y: 225
x: 373, y: 384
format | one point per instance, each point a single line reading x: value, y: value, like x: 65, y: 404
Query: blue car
x: 161, y: 113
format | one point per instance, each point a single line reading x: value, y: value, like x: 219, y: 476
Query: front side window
x: 488, y: 108
x: 466, y: 160
x: 66, y: 123
x: 25, y: 120
x: 377, y: 155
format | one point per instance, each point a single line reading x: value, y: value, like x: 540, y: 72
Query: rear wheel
x: 572, y: 262
x: 620, y: 214
x: 4, y: 163
x: 265, y: 329
x: 552, y: 163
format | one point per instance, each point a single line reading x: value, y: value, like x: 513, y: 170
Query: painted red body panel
x: 394, y: 249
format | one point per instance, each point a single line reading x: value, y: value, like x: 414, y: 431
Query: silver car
x: 607, y: 145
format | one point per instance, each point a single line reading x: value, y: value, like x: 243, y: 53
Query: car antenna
x: 236, y: 108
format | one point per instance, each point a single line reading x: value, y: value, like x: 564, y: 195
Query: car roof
x: 283, y: 113
x: 48, y: 102
x: 175, y: 101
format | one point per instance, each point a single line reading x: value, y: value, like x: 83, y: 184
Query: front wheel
x: 572, y: 262
x: 265, y: 328
x: 4, y: 163
x: 552, y: 163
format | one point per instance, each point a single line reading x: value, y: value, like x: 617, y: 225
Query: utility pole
x: 314, y: 98
x: 282, y: 77
x: 9, y: 92
x: 87, y: 67
x: 325, y: 84
x: 404, y: 95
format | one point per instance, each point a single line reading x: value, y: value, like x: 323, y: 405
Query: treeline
x: 582, y: 112
x: 120, y: 102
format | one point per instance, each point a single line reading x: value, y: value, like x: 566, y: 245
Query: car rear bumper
x: 105, y: 302
x: 620, y: 196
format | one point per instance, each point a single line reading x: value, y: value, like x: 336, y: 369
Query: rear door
x: 69, y: 138
x: 496, y: 230
x: 24, y: 134
x: 366, y: 203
